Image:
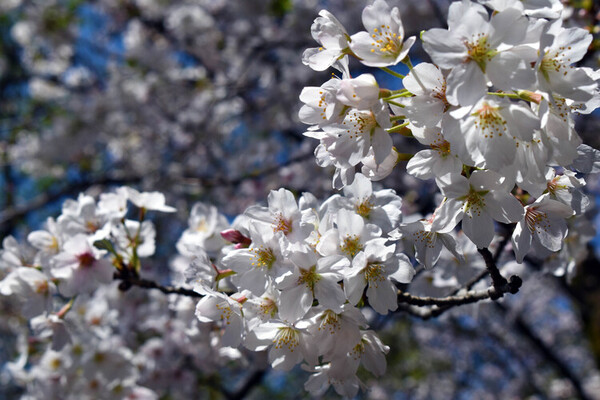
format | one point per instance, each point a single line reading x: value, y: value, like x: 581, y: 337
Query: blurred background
x: 198, y: 99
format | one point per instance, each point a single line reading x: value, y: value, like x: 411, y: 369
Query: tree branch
x: 129, y: 279
x: 500, y: 286
x: 492, y: 293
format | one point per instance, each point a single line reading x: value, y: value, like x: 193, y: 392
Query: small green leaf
x: 105, y: 244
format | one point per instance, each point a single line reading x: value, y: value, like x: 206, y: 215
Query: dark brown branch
x: 497, y: 279
x: 129, y: 279
x: 498, y: 253
x: 500, y: 286
x: 492, y: 293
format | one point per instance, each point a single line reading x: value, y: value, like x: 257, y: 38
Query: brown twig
x: 500, y: 283
x: 492, y: 293
x: 129, y: 279
x: 414, y: 305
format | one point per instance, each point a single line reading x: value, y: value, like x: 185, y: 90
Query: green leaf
x: 105, y: 244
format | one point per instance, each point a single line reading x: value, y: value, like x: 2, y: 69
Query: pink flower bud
x: 235, y: 236
x: 530, y: 96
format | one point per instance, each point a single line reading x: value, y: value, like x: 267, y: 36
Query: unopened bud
x: 236, y: 237
x: 384, y: 93
x: 528, y: 95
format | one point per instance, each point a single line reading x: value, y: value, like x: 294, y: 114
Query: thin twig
x: 499, y: 250
x: 492, y: 293
x: 129, y: 279
x: 439, y: 305
x: 497, y: 279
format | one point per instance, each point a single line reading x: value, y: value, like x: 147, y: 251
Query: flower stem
x: 509, y: 95
x: 395, y: 96
x: 397, y: 128
x: 394, y: 103
x: 63, y: 311
x: 389, y: 71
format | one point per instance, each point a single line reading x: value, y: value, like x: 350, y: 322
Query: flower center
x: 440, y: 94
x: 92, y: 226
x: 309, y: 277
x: 54, y: 245
x: 553, y: 186
x: 480, y: 51
x: 288, y: 337
x: 99, y: 357
x: 330, y: 321
x: 322, y: 105
x: 202, y: 226
x: 359, y: 122
x: 41, y: 287
x: 425, y: 237
x: 226, y: 312
x: 55, y: 363
x: 268, y: 307
x: 475, y: 201
x: 442, y: 147
x: 536, y: 220
x: 489, y: 121
x: 374, y: 273
x: 357, y: 351
x: 386, y: 42
x: 263, y: 257
x: 86, y: 259
x: 551, y: 63
x: 560, y: 109
x: 351, y: 245
x: 364, y: 208
x: 281, y: 224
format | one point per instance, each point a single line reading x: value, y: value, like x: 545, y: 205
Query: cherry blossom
x: 289, y: 344
x: 79, y: 267
x: 559, y: 48
x: 543, y: 225
x: 332, y: 37
x: 374, y: 268
x: 300, y: 279
x: 382, y: 44
x: 313, y: 278
x: 483, y: 136
x: 476, y: 49
x: 477, y: 201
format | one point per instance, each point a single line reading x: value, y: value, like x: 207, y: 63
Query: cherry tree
x: 318, y: 282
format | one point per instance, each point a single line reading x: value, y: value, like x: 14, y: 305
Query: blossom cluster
x: 303, y: 279
x: 287, y: 277
x: 495, y: 110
